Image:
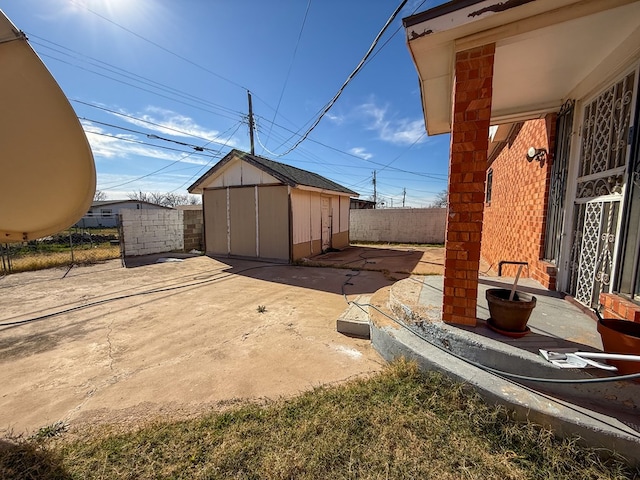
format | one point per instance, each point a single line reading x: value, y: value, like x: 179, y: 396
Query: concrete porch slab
x: 405, y: 320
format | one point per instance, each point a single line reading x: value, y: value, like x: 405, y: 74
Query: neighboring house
x: 555, y: 182
x: 258, y: 208
x: 105, y: 213
x: 361, y: 204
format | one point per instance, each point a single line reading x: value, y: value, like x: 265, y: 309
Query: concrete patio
x: 405, y: 320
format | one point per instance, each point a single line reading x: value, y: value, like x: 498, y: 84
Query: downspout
x: 204, y: 229
x: 228, y: 223
x: 290, y: 224
x: 257, y: 209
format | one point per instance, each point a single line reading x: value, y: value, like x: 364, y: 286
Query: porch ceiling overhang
x: 545, y: 49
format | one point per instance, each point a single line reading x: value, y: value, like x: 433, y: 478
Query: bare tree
x: 441, y: 201
x: 99, y: 196
x: 165, y: 199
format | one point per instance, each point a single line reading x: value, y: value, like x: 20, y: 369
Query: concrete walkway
x: 405, y: 320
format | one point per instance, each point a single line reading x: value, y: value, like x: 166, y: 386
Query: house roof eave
x: 550, y: 40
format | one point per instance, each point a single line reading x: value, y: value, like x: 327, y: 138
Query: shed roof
x: 287, y: 174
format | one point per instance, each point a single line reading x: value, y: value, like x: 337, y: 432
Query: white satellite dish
x: 47, y: 173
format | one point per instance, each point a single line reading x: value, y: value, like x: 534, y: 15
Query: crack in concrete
x: 110, y: 352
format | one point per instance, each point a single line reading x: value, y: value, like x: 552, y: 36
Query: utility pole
x: 375, y: 193
x: 404, y: 195
x: 251, y: 123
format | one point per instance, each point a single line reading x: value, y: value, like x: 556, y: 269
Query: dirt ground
x: 110, y: 344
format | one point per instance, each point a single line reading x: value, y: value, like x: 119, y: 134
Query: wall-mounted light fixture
x: 537, y: 154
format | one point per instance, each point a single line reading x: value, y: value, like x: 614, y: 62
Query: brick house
x: 540, y: 99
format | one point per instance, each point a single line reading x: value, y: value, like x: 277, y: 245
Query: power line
x: 348, y: 80
x: 171, y: 164
x: 384, y: 166
x: 125, y: 73
x: 395, y: 169
x: 139, y: 142
x: 197, y: 148
x: 142, y: 120
x: 286, y: 80
x: 190, y: 180
x: 157, y: 45
x: 198, y: 107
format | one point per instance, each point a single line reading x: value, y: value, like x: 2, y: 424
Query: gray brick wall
x: 193, y: 230
x: 398, y: 225
x: 152, y: 231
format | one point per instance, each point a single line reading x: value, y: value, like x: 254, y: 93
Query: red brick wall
x: 514, y: 220
x: 467, y: 167
x: 614, y: 306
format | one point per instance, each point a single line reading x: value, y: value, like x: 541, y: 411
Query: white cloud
x: 337, y: 119
x: 169, y: 122
x: 401, y: 131
x: 361, y: 152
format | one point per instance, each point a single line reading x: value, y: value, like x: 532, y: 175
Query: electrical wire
x: 139, y: 142
x: 196, y: 106
x: 173, y: 163
x: 148, y: 122
x: 222, y: 276
x: 127, y: 74
x: 486, y: 368
x: 197, y: 174
x: 293, y: 57
x: 351, y: 76
x: 152, y: 136
x: 157, y: 45
x: 434, y: 176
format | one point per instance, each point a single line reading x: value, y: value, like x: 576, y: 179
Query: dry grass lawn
x: 42, y: 260
x: 397, y: 424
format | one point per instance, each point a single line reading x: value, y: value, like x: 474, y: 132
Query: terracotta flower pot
x: 621, y: 336
x: 509, y: 315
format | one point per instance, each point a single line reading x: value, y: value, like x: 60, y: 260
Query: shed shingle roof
x: 287, y: 174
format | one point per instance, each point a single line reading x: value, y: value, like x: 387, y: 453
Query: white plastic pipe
x: 609, y: 356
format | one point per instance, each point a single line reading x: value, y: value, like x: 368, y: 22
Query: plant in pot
x: 509, y: 309
x: 620, y: 337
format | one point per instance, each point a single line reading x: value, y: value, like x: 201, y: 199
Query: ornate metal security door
x: 601, y: 176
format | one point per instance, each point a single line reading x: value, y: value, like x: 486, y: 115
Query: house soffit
x: 544, y: 49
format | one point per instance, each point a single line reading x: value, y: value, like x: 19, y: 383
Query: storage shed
x: 257, y: 208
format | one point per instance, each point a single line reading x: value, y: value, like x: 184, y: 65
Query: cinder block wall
x: 396, y: 225
x: 193, y: 230
x: 152, y: 231
x: 514, y: 220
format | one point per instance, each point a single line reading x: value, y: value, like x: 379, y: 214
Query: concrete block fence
x: 193, y: 230
x: 152, y: 231
x: 398, y: 225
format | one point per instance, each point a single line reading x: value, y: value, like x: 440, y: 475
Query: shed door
x: 242, y: 222
x: 215, y: 222
x: 273, y: 222
x: 326, y: 223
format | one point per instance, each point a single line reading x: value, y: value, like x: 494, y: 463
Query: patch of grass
x: 397, y: 424
x: 42, y: 260
x: 51, y: 431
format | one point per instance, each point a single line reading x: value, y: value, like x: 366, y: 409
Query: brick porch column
x: 467, y: 171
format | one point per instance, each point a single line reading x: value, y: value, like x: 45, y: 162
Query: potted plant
x: 620, y: 336
x: 509, y: 309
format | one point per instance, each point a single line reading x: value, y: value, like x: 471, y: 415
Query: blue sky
x: 152, y: 79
